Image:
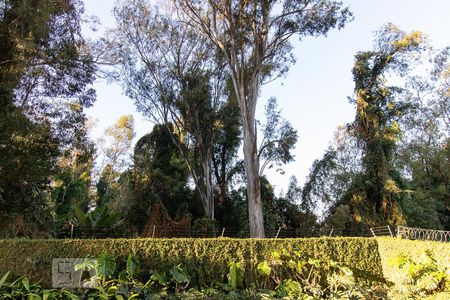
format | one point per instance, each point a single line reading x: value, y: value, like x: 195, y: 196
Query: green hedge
x: 205, y: 259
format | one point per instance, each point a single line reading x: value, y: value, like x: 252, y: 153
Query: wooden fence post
x: 279, y: 229
x: 390, y: 232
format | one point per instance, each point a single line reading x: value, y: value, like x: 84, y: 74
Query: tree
x: 318, y: 186
x: 97, y: 222
x: 44, y: 87
x: 253, y: 38
x: 376, y: 127
x: 331, y: 176
x: 46, y: 65
x: 198, y: 115
x: 115, y: 149
x: 413, y: 162
x: 338, y: 221
x: 227, y: 139
x: 159, y: 175
x: 71, y: 184
x: 423, y: 153
x: 278, y: 139
x: 285, y: 211
x: 28, y: 155
x: 176, y: 79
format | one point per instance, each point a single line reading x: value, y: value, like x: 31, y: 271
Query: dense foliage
x: 236, y: 269
x: 204, y: 259
x: 45, y: 75
x: 390, y: 165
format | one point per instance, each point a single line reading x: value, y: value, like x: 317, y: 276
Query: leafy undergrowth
x: 116, y: 289
x: 280, y: 276
x: 420, y: 278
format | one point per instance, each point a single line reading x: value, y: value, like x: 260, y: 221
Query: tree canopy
x: 195, y: 69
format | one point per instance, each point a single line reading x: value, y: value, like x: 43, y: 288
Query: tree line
x: 195, y: 69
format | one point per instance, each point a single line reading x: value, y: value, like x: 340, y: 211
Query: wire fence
x: 183, y: 231
x: 208, y: 232
x: 217, y: 232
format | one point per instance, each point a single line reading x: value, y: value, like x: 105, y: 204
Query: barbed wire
x: 423, y: 234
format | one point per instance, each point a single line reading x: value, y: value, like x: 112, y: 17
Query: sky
x: 313, y: 96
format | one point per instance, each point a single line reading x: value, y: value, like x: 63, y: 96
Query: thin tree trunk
x: 205, y: 192
x: 202, y: 177
x: 208, y: 192
x: 220, y: 178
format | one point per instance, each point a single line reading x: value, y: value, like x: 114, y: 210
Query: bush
x: 395, y: 253
x: 205, y: 260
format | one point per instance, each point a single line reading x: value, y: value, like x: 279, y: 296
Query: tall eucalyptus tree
x: 254, y: 39
x: 176, y: 78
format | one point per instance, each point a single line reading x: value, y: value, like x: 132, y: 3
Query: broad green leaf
x: 3, y: 279
x: 160, y: 278
x: 86, y: 264
x: 179, y: 275
x: 397, y: 261
x: 235, y: 275
x: 133, y: 265
x: 264, y: 269
x: 106, y: 265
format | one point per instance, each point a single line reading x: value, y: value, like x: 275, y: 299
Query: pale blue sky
x: 313, y: 96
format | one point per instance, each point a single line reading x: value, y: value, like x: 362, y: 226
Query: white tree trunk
x: 202, y: 177
x: 255, y: 206
x: 208, y: 195
x: 250, y: 149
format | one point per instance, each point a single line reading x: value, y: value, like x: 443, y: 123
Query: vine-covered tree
x: 395, y: 153
x: 378, y: 109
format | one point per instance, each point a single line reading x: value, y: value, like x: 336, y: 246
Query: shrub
x: 330, y: 268
x: 205, y: 260
x: 415, y: 268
